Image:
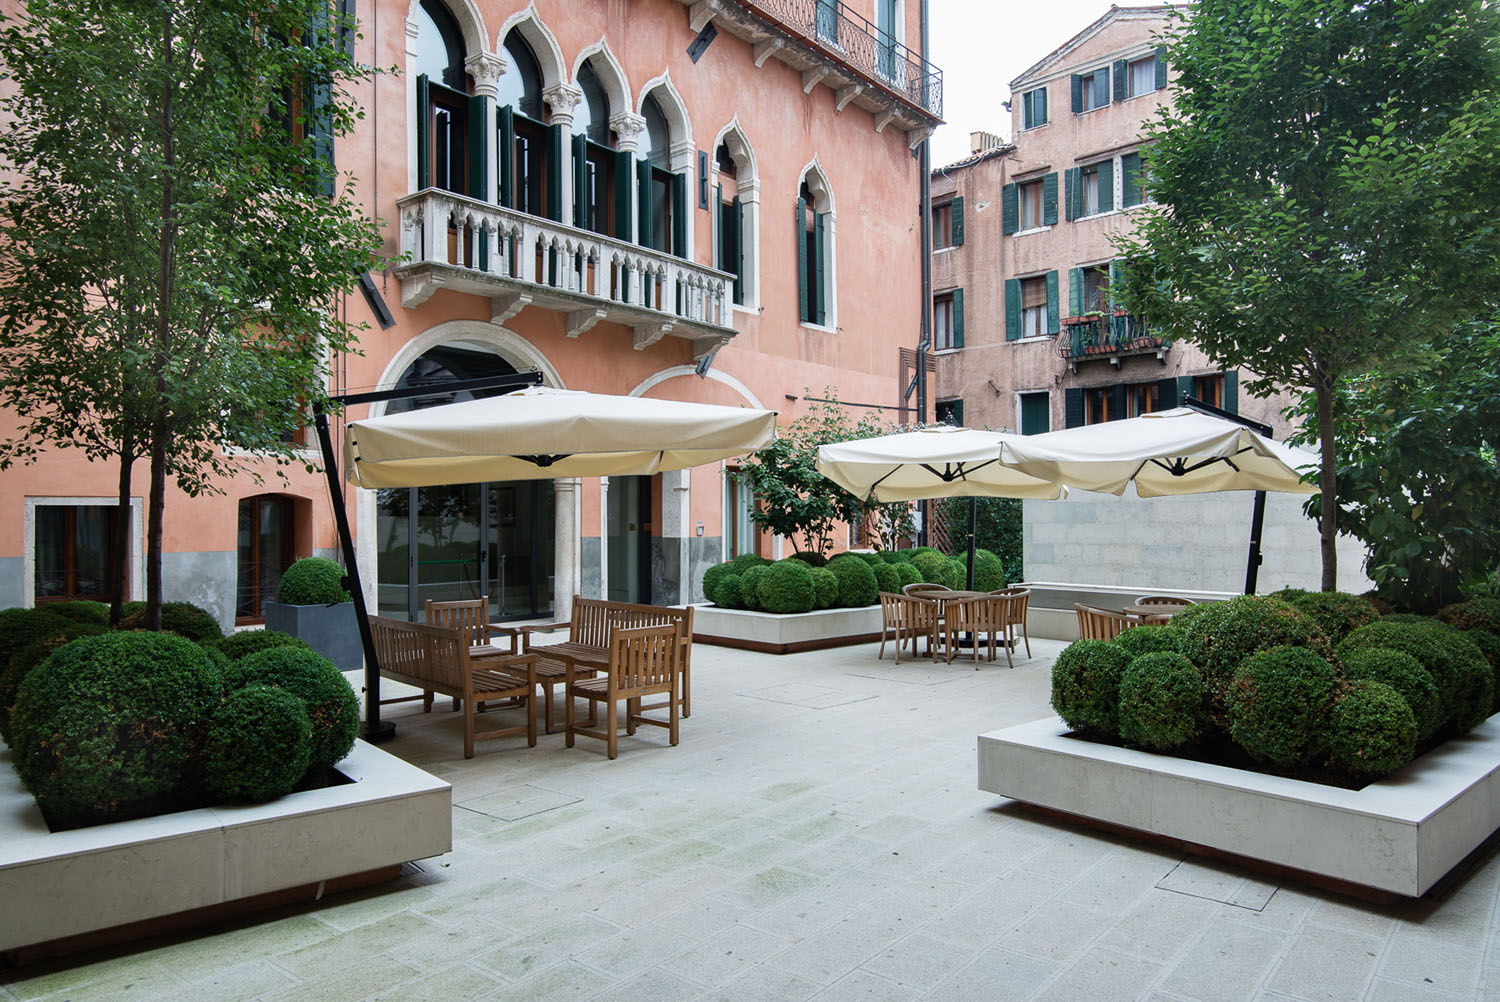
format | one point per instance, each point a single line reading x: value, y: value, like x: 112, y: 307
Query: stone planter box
x: 58, y: 885
x: 1400, y: 835
x: 773, y: 633
x: 331, y: 630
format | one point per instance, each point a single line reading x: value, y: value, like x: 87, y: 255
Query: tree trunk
x: 156, y: 501
x: 1328, y: 515
x: 121, y: 544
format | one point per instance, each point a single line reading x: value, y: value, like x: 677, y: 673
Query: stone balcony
x: 517, y: 260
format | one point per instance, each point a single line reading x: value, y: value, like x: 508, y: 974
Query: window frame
x: 943, y: 332
x: 1132, y: 68
x: 1031, y: 195
x: 135, y: 574
x: 1029, y: 100
x: 942, y: 226
x: 1037, y: 311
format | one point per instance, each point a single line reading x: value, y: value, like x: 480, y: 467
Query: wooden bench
x: 587, y: 646
x: 435, y: 659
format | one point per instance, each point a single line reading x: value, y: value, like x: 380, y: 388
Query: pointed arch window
x: 814, y: 252
x: 531, y: 151
x: 729, y: 246
x: 601, y: 174
x: 662, y: 193
x: 451, y: 121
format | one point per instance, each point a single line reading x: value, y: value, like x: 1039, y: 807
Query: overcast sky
x: 981, y: 45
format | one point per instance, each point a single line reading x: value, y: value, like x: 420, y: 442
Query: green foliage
x: 997, y: 528
x: 1405, y: 675
x: 1139, y: 640
x: 787, y: 586
x: 1184, y: 618
x: 258, y: 745
x: 931, y: 564
x: 181, y: 618
x: 1309, y: 218
x: 955, y: 573
x: 1489, y: 645
x: 713, y: 576
x: 330, y: 702
x: 312, y: 581
x: 1371, y: 730
x: 811, y: 558
x: 895, y: 556
x: 238, y: 646
x: 826, y: 585
x: 870, y: 558
x: 1335, y: 612
x: 1086, y: 686
x: 989, y: 571
x: 727, y: 592
x: 856, y: 581
x: 745, y: 561
x: 1162, y: 698
x: 1458, y: 668
x: 1278, y: 703
x: 750, y: 585
x: 909, y: 574
x: 1482, y: 613
x: 110, y: 726
x: 81, y: 611
x: 887, y: 578
x: 1222, y: 634
x: 14, y: 672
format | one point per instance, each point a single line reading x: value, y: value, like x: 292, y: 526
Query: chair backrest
x: 966, y: 614
x: 907, y: 611
x: 591, y: 622
x: 1018, y: 600
x: 643, y: 659
x: 922, y: 587
x: 472, y: 616
x: 420, y: 651
x: 1165, y: 600
x: 1101, y: 624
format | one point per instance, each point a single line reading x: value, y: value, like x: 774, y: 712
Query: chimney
x: 981, y: 141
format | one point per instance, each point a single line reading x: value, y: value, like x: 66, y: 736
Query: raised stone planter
x: 57, y: 885
x: 771, y: 633
x: 331, y: 630
x: 1400, y: 835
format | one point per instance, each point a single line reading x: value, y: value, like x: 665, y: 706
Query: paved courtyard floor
x: 817, y: 835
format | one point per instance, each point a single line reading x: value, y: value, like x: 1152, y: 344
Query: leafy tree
x: 998, y: 528
x: 175, y: 234
x: 1325, y: 192
x: 1419, y: 482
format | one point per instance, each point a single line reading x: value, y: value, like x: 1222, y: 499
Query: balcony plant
x: 313, y: 606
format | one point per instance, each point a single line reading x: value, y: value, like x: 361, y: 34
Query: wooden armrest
x: 542, y: 627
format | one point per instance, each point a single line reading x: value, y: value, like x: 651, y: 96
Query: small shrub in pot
x: 312, y: 581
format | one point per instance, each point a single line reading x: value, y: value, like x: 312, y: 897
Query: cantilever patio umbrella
x: 1187, y: 450
x: 940, y: 462
x: 531, y: 434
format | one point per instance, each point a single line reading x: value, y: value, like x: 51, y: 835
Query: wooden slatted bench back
x: 429, y: 657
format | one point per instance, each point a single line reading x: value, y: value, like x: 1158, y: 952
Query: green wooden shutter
x: 580, y: 182
x: 1106, y: 185
x: 801, y: 232
x: 479, y: 146
x: 1116, y: 280
x: 1130, y: 180
x: 1036, y: 416
x: 1075, y: 292
x: 1232, y: 391
x: 348, y: 27
x: 679, y: 215
x: 1185, y: 388
x: 1161, y: 66
x: 1049, y: 199
x: 506, y: 194
x: 1120, y: 70
x: 645, y: 230
x: 956, y: 218
x: 1072, y: 408
x: 1052, y: 317
x: 820, y: 288
x: 958, y: 318
x: 1012, y: 309
x: 623, y: 228
x: 1166, y: 393
x: 554, y: 173
x: 1077, y: 94
x: 1010, y: 210
x: 1073, y: 191
x: 424, y: 134
x: 721, y: 246
x: 1039, y: 105
x: 320, y: 132
x: 737, y: 251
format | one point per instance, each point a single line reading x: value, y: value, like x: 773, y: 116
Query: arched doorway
x: 463, y: 541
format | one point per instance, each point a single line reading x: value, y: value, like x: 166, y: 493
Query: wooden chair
x: 1181, y: 603
x: 642, y: 662
x: 1005, y: 611
x: 923, y: 587
x: 908, y: 617
x: 472, y: 618
x: 1101, y: 624
x: 964, y: 616
x: 1020, y: 606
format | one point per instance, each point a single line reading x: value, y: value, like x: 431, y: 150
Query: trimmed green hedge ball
x: 1278, y: 703
x: 887, y: 578
x: 24, y: 660
x: 181, y: 618
x: 1221, y: 636
x: 330, y: 702
x: 1086, y: 686
x: 750, y: 585
x: 238, y: 646
x: 258, y: 745
x: 856, y: 581
x: 727, y: 592
x: 1465, y: 683
x: 1335, y: 612
x: 1149, y: 639
x: 312, y: 581
x: 1406, y: 676
x: 1162, y: 700
x: 826, y: 586
x: 1371, y: 730
x: 787, y: 586
x: 713, y: 576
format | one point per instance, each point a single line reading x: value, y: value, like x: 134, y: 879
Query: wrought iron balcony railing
x: 1106, y: 334
x: 852, y: 39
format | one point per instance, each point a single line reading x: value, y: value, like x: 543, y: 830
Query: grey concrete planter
x: 330, y: 630
x: 788, y: 633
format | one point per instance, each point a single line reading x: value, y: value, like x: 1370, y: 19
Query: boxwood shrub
x: 312, y: 581
x: 1371, y: 730
x: 21, y: 628
x: 110, y: 727
x: 886, y: 576
x: 713, y: 576
x: 1479, y: 613
x: 1404, y: 674
x: 955, y: 573
x: 81, y: 611
x: 1162, y: 698
x: 181, y: 618
x: 24, y: 660
x: 909, y: 574
x: 745, y: 561
x: 330, y: 702
x: 826, y: 587
x: 258, y: 744
x: 750, y: 585
x: 787, y: 586
x: 1139, y: 640
x: 1335, y: 612
x: 856, y: 581
x: 1463, y: 677
x: 238, y: 646
x: 931, y: 564
x: 989, y: 570
x: 1223, y: 634
x: 1086, y: 686
x: 1278, y: 702
x: 727, y: 592
x: 811, y: 558
x: 1489, y: 645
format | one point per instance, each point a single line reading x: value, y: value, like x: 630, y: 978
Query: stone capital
x: 628, y: 127
x: 562, y: 99
x: 486, y: 68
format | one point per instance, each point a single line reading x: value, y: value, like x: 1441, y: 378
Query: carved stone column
x: 562, y: 99
x: 565, y: 581
x: 486, y: 68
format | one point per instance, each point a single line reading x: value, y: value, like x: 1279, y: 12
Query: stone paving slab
x: 816, y: 835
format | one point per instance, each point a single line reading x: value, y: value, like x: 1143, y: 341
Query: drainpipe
x: 925, y: 340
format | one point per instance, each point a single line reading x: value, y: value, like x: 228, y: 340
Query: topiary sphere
x: 826, y: 586
x: 727, y: 593
x: 713, y: 576
x: 886, y: 577
x: 27, y: 658
x: 238, y: 646
x: 1162, y: 699
x: 787, y: 586
x: 1278, y: 703
x: 745, y: 561
x: 894, y: 556
x: 750, y: 585
x: 1371, y: 730
x: 955, y: 573
x: 1479, y: 613
x: 1150, y: 639
x: 1489, y: 645
x: 258, y: 745
x: 312, y: 581
x: 330, y: 702
x: 1086, y: 686
x: 870, y: 558
x: 1183, y: 618
x: 181, y: 618
x: 82, y: 611
x: 1225, y: 633
x: 21, y: 628
x: 1465, y: 684
x: 989, y: 571
x: 1405, y: 675
x: 811, y: 558
x: 931, y: 564
x: 909, y: 574
x: 1335, y: 612
x: 111, y: 726
x: 856, y: 580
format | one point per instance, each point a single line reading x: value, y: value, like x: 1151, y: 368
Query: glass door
x: 629, y: 539
x: 520, y: 553
x: 448, y: 533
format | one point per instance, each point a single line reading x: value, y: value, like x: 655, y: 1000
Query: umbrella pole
x: 1257, y: 521
x: 973, y: 528
x: 374, y: 729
